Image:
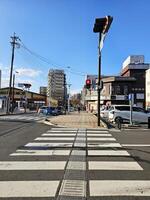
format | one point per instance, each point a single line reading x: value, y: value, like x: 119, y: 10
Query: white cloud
x: 28, y: 72
x: 75, y: 91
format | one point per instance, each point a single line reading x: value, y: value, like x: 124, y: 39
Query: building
x: 116, y: 89
x: 134, y: 66
x: 56, y: 89
x: 148, y: 89
x: 0, y: 78
x: 43, y: 90
x: 22, y: 98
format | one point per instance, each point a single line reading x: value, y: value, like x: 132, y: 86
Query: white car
x: 139, y: 115
x: 104, y: 112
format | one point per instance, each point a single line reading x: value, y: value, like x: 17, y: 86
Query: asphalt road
x: 37, y: 162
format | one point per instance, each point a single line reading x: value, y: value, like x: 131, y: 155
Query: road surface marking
x: 46, y: 144
x: 28, y: 188
x: 136, y: 145
x: 101, y: 139
x: 54, y: 138
x: 76, y: 188
x: 104, y: 145
x: 109, y: 165
x: 78, y: 153
x: 79, y: 144
x: 119, y: 188
x: 40, y: 152
x: 107, y: 153
x: 32, y: 165
x: 58, y: 134
x: 76, y: 165
x: 99, y: 135
x: 98, y: 132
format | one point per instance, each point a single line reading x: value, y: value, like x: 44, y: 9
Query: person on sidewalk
x: 79, y: 109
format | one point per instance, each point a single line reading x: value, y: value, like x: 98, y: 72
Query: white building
x: 147, y: 88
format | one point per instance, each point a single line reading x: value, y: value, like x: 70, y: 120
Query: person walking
x: 79, y: 109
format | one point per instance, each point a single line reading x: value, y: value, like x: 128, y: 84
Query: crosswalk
x: 73, y: 164
x: 22, y: 117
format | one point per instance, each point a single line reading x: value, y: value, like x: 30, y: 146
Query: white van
x: 139, y: 115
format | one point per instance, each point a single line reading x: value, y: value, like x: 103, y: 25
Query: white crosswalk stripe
x: 73, y: 153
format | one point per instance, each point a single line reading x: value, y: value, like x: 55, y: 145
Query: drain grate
x: 76, y: 188
x: 78, y: 153
x: 76, y: 165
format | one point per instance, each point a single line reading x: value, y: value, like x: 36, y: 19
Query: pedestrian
x: 79, y: 109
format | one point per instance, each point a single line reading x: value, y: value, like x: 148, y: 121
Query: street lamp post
x: 101, y: 26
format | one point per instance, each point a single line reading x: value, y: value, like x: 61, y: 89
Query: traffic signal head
x: 102, y: 24
x: 88, y: 83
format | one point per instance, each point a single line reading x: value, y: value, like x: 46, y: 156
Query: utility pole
x: 65, y: 93
x: 69, y: 98
x: 13, y: 43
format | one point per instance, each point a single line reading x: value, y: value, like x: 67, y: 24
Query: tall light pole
x: 13, y: 43
x: 69, y: 85
x: 101, y: 26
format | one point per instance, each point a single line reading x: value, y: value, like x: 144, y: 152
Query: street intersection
x: 74, y: 163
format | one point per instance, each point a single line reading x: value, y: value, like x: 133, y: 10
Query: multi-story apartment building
x: 148, y: 89
x: 43, y: 90
x: 56, y: 89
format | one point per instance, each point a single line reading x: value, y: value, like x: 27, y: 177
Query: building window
x: 117, y: 89
x: 112, y: 90
x: 125, y: 90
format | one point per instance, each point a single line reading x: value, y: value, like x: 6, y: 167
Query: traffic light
x: 88, y: 83
x: 102, y: 24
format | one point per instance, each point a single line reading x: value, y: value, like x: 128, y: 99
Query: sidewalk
x: 2, y: 113
x: 76, y: 120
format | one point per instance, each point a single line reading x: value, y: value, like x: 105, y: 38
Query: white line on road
x: 54, y: 138
x: 107, y: 153
x: 32, y: 165
x: 109, y: 165
x: 28, y: 188
x: 136, y: 145
x: 99, y: 135
x: 40, y: 152
x: 101, y: 139
x: 104, y: 145
x: 59, y: 134
x: 98, y: 131
x: 47, y: 144
x: 120, y: 188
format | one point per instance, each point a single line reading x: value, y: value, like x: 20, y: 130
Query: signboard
x: 140, y: 96
x: 131, y: 97
x: 26, y: 85
x: 21, y: 85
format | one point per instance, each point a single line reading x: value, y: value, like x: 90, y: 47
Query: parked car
x: 104, y: 112
x: 42, y: 109
x: 139, y: 115
x: 47, y: 110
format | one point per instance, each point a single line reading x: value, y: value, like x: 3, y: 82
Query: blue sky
x: 62, y: 32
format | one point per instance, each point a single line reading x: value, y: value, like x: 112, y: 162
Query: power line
x: 48, y: 62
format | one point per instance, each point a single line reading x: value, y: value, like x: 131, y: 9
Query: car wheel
x: 118, y: 119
